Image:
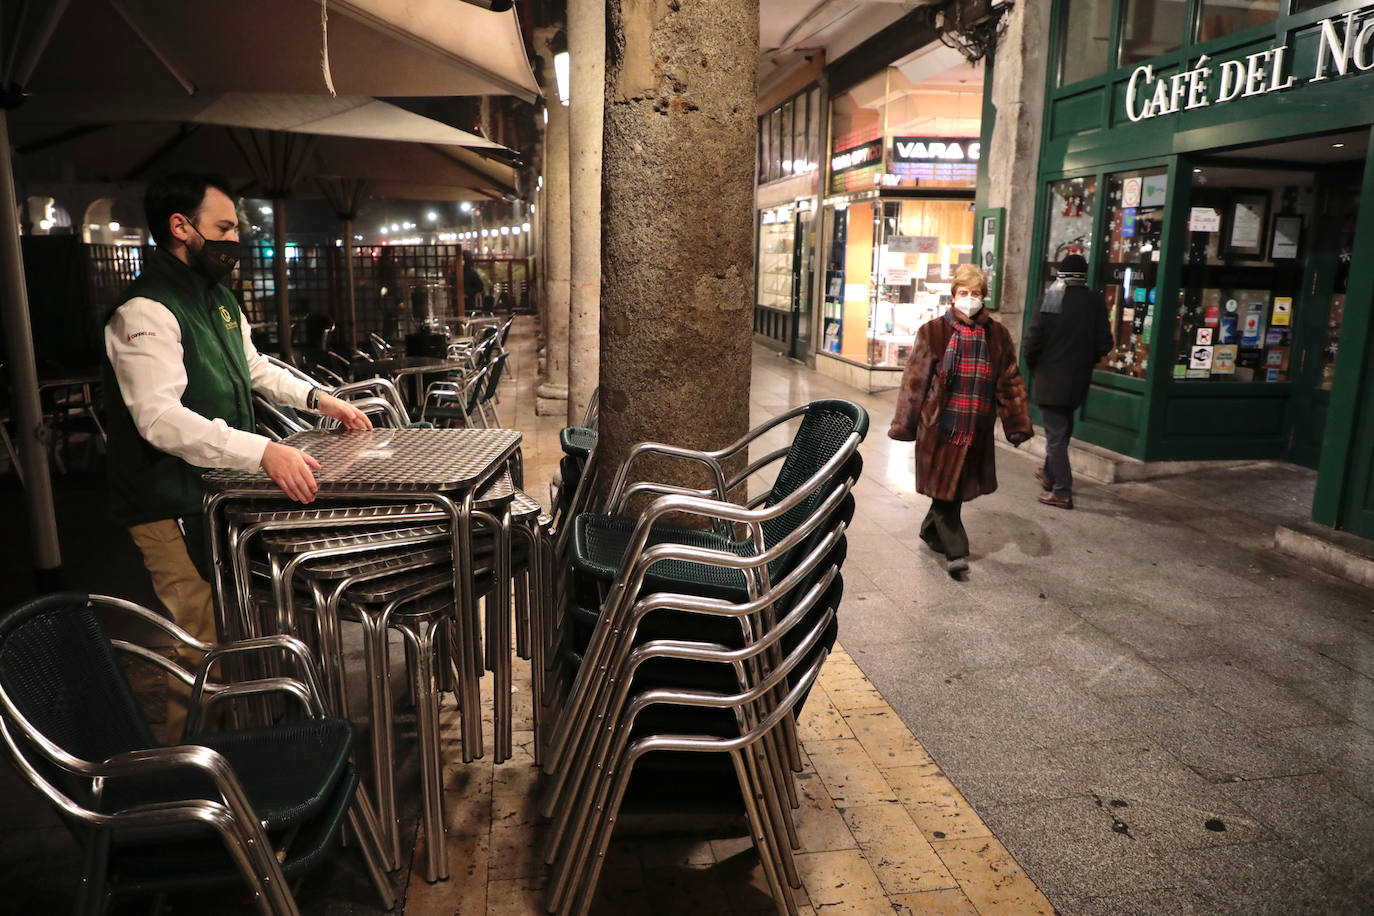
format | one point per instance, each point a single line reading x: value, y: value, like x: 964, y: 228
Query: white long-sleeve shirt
x: 143, y: 342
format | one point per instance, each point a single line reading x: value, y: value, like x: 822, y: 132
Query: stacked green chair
x: 598, y: 547
x: 667, y: 694
x: 254, y: 806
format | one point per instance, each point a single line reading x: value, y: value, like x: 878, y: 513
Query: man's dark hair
x: 180, y: 192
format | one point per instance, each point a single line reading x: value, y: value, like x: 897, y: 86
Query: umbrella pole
x: 28, y: 412
x: 348, y: 278
x: 279, y: 280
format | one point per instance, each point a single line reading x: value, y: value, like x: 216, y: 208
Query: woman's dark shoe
x: 1045, y: 483
x: 957, y: 566
x: 1056, y: 500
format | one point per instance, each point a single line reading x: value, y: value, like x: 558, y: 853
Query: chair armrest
x: 615, y: 502
x: 290, y: 645
x: 290, y: 686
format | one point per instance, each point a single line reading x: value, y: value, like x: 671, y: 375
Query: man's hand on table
x: 350, y: 416
x: 289, y: 469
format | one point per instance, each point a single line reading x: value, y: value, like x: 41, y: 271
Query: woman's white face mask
x: 968, y: 305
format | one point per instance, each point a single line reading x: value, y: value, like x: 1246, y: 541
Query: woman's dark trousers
x: 943, y: 529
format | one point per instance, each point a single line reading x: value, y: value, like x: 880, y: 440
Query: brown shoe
x: 1045, y: 483
x: 1054, y: 499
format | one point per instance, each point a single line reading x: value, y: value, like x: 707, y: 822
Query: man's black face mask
x: 214, y: 259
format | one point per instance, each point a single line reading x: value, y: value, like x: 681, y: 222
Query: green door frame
x: 1343, y: 497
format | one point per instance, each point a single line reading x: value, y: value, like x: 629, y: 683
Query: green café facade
x: 1213, y: 161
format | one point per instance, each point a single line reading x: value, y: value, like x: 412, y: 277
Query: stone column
x: 1018, y: 78
x: 553, y: 394
x: 587, y: 57
x: 677, y: 242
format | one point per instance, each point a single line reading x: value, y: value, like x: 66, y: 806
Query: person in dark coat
x: 1067, y: 337
x: 961, y: 375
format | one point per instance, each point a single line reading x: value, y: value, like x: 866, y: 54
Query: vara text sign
x: 1345, y: 45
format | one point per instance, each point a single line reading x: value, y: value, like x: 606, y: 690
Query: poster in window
x: 1248, y: 214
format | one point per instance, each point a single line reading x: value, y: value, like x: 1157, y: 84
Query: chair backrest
x: 58, y: 670
x: 494, y: 376
x: 505, y: 330
x: 825, y: 428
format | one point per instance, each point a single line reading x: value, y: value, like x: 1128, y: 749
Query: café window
x: 1242, y: 289
x: 1128, y: 274
x: 1219, y: 18
x: 1150, y: 28
x: 1085, y: 39
x: 1070, y: 222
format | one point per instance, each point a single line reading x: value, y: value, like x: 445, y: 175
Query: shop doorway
x: 1272, y: 230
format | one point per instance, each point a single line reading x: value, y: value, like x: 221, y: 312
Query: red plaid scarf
x: 966, y: 375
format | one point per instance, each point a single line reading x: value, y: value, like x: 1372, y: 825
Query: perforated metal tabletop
x: 377, y: 460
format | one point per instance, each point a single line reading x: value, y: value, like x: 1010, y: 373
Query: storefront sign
x: 870, y: 153
x: 898, y: 276
x: 1345, y: 45
x: 1200, y: 358
x: 935, y: 149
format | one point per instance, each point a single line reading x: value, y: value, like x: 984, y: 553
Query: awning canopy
x: 375, y: 47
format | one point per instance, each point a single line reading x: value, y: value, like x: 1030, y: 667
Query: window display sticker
x: 898, y: 276
x: 1128, y: 223
x: 1130, y: 193
x: 1139, y: 294
x: 1283, y: 312
x: 1212, y: 315
x: 1276, y: 358
x: 1271, y: 375
x: 1199, y: 373
x: 1204, y: 219
x: 1223, y: 360
x: 1245, y: 226
x: 1127, y: 315
x: 1226, y: 329
x: 1200, y: 358
x: 1287, y: 231
x: 1204, y: 337
x: 1153, y: 190
x: 914, y: 244
x: 1275, y: 337
x: 1180, y: 371
x: 1253, y: 325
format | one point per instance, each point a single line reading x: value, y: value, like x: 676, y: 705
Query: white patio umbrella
x: 365, y: 48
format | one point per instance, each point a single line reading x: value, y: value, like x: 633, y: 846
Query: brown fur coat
x: 943, y: 469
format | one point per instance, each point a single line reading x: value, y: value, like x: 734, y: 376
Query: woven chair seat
x: 287, y: 771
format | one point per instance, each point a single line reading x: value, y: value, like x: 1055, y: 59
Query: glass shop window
x: 1242, y: 276
x: 1150, y: 28
x: 923, y: 242
x: 1086, y: 40
x: 1070, y: 223
x: 1128, y: 275
x: 1218, y: 18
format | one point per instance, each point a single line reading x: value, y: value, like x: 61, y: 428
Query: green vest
x: 148, y: 485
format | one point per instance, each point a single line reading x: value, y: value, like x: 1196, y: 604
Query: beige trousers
x: 185, y: 594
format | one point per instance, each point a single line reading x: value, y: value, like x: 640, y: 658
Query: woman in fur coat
x: 961, y: 376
